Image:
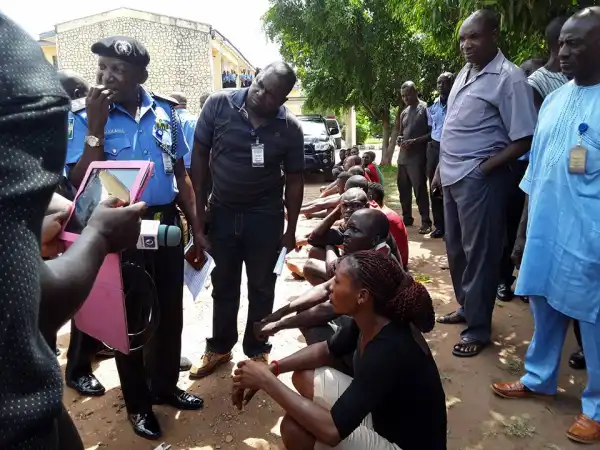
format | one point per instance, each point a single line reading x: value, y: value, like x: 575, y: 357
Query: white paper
x: 196, y: 280
x: 279, y: 265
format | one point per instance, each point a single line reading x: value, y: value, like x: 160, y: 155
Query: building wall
x: 50, y: 53
x: 180, y: 57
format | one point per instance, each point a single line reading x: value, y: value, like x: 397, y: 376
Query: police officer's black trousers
x: 81, y: 353
x: 154, y: 369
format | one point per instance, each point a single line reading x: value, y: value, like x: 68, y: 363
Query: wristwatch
x: 93, y: 141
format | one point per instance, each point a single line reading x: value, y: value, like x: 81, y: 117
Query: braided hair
x: 396, y: 295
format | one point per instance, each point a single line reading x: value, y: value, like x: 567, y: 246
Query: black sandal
x: 452, y: 318
x: 425, y: 229
x: 468, y: 347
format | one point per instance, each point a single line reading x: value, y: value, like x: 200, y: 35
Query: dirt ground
x: 477, y: 419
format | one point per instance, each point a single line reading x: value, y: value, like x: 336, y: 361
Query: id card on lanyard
x: 258, y: 154
x: 578, y: 154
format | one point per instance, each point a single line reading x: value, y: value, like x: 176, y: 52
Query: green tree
x: 348, y: 53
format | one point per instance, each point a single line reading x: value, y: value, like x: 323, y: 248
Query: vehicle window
x: 314, y: 128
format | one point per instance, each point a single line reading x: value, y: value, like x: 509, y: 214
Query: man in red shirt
x: 397, y: 228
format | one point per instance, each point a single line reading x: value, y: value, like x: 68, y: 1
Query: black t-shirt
x: 414, y: 125
x: 397, y: 382
x: 33, y: 142
x: 223, y: 127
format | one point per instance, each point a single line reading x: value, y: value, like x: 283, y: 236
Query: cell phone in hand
x: 190, y: 256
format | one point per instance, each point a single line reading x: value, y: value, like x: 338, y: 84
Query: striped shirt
x: 544, y: 81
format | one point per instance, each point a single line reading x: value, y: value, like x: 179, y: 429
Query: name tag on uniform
x: 258, y: 155
x: 167, y: 163
x: 577, y: 159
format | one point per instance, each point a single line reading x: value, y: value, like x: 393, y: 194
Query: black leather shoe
x: 145, y: 425
x: 577, y: 360
x: 504, y: 293
x: 184, y: 364
x: 437, y: 234
x: 87, y: 385
x: 179, y: 399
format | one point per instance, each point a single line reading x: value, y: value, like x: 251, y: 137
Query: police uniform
x: 154, y: 134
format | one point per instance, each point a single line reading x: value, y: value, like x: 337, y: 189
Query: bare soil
x: 477, y: 419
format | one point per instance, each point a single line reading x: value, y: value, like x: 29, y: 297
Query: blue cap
x: 582, y: 128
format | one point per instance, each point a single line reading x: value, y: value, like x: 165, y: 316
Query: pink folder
x: 103, y: 314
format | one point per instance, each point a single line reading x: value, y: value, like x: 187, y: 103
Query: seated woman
x: 395, y: 400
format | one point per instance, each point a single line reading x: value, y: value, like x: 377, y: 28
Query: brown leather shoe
x: 261, y: 358
x: 584, y: 430
x: 515, y: 389
x: 210, y: 362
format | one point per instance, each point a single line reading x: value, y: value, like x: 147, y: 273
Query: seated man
x: 371, y: 168
x: 357, y: 181
x: 331, y: 188
x: 352, y: 161
x: 311, y: 209
x: 367, y: 229
x: 397, y: 227
x: 326, y: 239
x: 358, y: 170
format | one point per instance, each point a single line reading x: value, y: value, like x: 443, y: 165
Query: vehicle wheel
x: 328, y: 174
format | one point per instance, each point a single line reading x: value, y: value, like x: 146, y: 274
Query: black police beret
x: 123, y: 47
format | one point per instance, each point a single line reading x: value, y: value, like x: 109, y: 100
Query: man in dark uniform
x: 253, y: 146
x: 123, y: 121
x: 412, y: 158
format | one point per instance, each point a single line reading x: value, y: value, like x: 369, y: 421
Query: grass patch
x: 392, y: 197
x: 372, y: 141
x: 520, y: 427
x: 514, y: 366
x: 422, y: 278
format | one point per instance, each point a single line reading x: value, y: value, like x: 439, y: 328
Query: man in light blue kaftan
x: 560, y: 270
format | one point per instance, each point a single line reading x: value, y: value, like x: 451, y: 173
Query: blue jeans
x: 237, y: 237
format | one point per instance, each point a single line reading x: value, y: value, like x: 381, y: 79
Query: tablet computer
x: 103, y: 314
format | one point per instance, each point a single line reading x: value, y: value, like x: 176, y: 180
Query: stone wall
x: 180, y: 58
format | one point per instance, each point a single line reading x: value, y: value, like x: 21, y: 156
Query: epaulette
x: 78, y: 105
x: 166, y: 98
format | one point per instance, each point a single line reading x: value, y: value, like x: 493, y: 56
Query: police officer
x: 123, y: 121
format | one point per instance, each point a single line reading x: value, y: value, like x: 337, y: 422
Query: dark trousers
x: 238, y: 237
x: 437, y: 203
x: 155, y: 367
x: 577, y: 331
x: 323, y: 333
x: 475, y: 227
x: 65, y: 434
x: 413, y: 178
x: 514, y: 208
x: 81, y: 353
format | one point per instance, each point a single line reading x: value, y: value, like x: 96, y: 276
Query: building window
x: 55, y: 61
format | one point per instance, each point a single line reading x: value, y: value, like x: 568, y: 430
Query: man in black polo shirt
x: 253, y: 146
